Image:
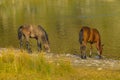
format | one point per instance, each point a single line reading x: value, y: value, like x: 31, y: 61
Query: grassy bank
x: 17, y: 65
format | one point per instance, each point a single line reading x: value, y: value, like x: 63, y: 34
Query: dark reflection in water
x: 62, y: 19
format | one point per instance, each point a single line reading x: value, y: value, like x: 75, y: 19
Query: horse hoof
x: 90, y: 56
x: 83, y: 57
x: 98, y: 57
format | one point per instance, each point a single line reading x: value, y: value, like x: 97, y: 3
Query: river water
x: 62, y: 19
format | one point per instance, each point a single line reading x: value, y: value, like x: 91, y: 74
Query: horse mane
x: 46, y: 35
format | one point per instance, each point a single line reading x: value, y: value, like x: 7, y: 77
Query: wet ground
x: 76, y: 61
x: 89, y: 62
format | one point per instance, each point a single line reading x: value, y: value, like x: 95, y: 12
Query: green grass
x: 17, y: 65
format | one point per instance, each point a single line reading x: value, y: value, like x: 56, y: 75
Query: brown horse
x: 89, y: 35
x: 36, y: 32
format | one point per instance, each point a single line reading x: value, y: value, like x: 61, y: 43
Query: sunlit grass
x: 17, y: 65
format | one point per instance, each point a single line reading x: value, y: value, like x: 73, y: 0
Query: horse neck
x: 99, y: 43
x: 46, y: 37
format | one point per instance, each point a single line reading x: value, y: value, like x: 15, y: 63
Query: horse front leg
x: 98, y: 50
x: 28, y: 45
x: 39, y: 45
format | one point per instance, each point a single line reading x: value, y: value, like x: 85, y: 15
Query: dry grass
x: 17, y: 65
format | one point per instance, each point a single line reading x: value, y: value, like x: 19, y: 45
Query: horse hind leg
x: 21, y: 43
x: 20, y: 37
x: 83, y: 52
x: 28, y: 47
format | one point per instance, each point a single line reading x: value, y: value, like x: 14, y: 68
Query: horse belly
x: 32, y: 35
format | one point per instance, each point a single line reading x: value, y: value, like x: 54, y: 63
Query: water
x: 62, y: 19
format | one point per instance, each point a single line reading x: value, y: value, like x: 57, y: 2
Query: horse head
x: 47, y: 47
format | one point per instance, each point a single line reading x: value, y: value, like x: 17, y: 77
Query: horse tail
x: 81, y: 36
x: 20, y: 32
x: 46, y: 35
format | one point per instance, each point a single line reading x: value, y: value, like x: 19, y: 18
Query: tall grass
x: 17, y: 65
x: 21, y: 64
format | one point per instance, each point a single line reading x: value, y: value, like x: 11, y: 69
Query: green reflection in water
x: 62, y: 19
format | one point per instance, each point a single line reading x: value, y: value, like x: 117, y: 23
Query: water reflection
x: 62, y: 19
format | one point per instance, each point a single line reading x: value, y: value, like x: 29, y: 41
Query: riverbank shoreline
x: 74, y: 60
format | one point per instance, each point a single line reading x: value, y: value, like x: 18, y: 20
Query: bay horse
x: 32, y: 31
x: 90, y: 35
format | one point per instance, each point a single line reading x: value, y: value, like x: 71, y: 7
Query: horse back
x: 26, y: 29
x: 96, y: 35
x: 90, y: 35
